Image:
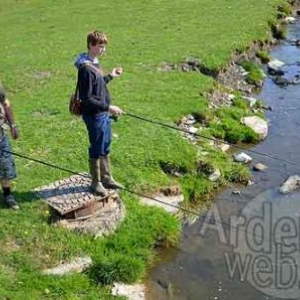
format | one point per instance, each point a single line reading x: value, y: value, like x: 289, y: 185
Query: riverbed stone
x: 131, y: 291
x: 289, y: 20
x: 224, y: 147
x: 278, y: 72
x: 259, y: 167
x: 296, y: 79
x: 190, y: 120
x: 292, y: 183
x: 242, y: 157
x: 193, y: 130
x: 281, y: 81
x: 275, y: 64
x: 215, y: 175
x: 257, y: 124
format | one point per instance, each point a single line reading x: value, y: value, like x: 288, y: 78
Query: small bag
x: 75, y: 103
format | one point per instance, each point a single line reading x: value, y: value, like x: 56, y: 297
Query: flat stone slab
x: 79, y: 209
x: 169, y: 203
x: 68, y: 194
x: 77, y: 265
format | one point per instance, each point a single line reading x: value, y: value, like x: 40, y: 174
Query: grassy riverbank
x: 39, y: 40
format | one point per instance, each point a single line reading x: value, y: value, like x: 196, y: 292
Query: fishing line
x: 209, y: 138
x: 203, y: 217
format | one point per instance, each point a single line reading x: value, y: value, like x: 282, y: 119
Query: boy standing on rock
x: 96, y: 110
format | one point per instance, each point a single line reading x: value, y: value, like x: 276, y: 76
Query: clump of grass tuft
x: 233, y: 136
x: 263, y: 56
x: 230, y: 170
x: 205, y: 167
x: 279, y: 31
x: 255, y: 75
x: 240, y: 103
x: 284, y: 9
x: 172, y: 168
x: 202, y: 117
x: 237, y: 173
x: 217, y: 130
x: 234, y: 113
x: 197, y: 188
x: 229, y: 127
x: 259, y: 104
x: 117, y: 268
x: 236, y: 132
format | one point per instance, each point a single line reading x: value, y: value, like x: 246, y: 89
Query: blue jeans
x: 99, y: 130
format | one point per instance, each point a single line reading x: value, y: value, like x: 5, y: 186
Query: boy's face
x: 98, y: 49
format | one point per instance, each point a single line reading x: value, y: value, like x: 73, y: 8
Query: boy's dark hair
x: 96, y: 37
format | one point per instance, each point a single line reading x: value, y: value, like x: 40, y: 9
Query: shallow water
x: 197, y: 269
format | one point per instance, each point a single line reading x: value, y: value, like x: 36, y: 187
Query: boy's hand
x: 115, y: 110
x: 116, y: 72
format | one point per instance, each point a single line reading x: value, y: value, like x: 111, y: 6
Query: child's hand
x: 14, y: 132
x: 116, y: 72
x: 115, y: 110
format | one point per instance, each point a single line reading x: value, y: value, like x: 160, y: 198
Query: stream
x: 198, y: 267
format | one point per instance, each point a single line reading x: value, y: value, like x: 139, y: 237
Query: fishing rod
x: 209, y: 138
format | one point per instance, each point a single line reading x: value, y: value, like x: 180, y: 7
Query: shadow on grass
x: 67, y: 191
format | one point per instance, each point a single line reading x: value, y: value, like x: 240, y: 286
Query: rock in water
x: 292, y: 183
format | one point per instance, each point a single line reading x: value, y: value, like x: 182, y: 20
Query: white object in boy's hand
x: 116, y: 72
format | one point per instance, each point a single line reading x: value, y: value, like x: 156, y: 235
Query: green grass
x: 264, y: 56
x: 255, y: 75
x: 39, y: 40
x: 284, y: 9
